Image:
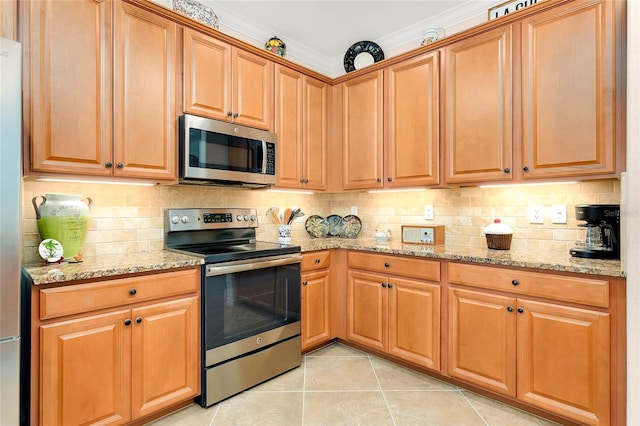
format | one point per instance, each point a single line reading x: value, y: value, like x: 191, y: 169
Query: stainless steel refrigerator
x: 10, y: 229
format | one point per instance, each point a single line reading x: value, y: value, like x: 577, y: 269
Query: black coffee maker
x: 600, y: 237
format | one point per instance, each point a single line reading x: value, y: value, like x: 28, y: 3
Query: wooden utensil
x: 276, y: 218
x: 286, y: 219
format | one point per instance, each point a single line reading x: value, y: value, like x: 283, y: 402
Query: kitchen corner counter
x: 109, y: 266
x: 542, y: 261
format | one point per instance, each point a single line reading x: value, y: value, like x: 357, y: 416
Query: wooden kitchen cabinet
x: 545, y: 353
x: 394, y: 314
x: 362, y: 132
x: 477, y: 74
x: 568, y: 91
x: 115, y: 114
x: 141, y: 352
x: 302, y: 111
x: 226, y: 83
x: 316, y: 299
x: 412, y: 117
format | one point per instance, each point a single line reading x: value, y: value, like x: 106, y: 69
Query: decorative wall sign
x: 510, y: 7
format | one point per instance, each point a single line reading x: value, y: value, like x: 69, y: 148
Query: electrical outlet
x: 536, y: 214
x: 428, y: 212
x: 559, y: 213
x: 354, y: 210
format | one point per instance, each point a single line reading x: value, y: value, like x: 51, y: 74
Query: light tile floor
x: 338, y: 385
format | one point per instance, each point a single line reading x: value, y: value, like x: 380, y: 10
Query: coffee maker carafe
x: 601, y: 235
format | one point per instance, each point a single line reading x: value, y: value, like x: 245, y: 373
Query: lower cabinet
x: 546, y: 354
x: 122, y: 364
x: 316, y: 299
x: 391, y: 313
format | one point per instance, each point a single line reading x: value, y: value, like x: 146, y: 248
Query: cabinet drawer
x: 587, y: 291
x: 397, y: 265
x: 315, y: 260
x: 73, y: 299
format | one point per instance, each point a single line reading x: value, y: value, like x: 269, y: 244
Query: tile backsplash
x: 127, y: 219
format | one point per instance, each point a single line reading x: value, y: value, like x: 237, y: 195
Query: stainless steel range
x: 250, y: 298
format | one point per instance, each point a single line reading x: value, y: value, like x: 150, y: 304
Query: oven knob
x: 246, y: 217
x: 259, y: 340
x: 253, y: 217
x: 185, y: 219
x: 239, y: 218
x: 175, y: 220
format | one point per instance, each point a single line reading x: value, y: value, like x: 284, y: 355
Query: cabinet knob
x: 389, y: 285
x: 386, y: 264
x: 305, y: 282
x: 384, y: 285
x: 525, y: 168
x: 509, y: 308
x: 108, y: 164
x: 119, y: 165
x: 229, y: 113
x: 301, y: 180
x: 507, y: 170
x: 132, y: 291
x: 138, y: 320
x: 378, y: 180
x: 306, y: 181
x: 127, y: 322
x: 317, y: 260
x: 520, y: 310
x: 389, y: 179
x: 514, y: 282
x: 235, y: 115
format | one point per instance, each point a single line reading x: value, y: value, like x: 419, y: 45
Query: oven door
x: 245, y: 299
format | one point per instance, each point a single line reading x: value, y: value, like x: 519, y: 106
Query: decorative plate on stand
x: 365, y: 48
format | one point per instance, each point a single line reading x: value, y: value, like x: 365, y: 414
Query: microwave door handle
x: 213, y: 270
x: 262, y: 157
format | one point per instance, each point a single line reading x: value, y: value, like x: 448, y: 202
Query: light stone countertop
x: 162, y: 260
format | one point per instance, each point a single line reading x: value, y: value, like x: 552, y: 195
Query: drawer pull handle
x: 127, y: 322
x: 317, y: 260
x: 386, y: 265
x: 389, y: 285
x: 514, y: 282
x: 138, y: 320
x: 520, y: 310
x: 509, y: 308
x: 132, y: 291
x: 384, y: 285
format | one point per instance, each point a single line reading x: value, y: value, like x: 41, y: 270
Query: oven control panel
x: 210, y: 218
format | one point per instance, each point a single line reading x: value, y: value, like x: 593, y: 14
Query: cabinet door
x: 412, y: 122
x: 367, y: 309
x: 289, y: 128
x: 70, y: 95
x: 144, y: 103
x: 165, y: 355
x: 478, y: 110
x: 568, y: 68
x: 414, y: 322
x: 564, y: 361
x: 85, y: 370
x: 252, y: 90
x: 362, y: 132
x: 315, y: 129
x: 316, y: 312
x: 206, y: 75
x: 482, y: 340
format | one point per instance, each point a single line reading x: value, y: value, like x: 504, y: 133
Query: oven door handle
x: 213, y: 270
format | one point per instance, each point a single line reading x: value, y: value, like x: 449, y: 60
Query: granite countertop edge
x: 164, y: 260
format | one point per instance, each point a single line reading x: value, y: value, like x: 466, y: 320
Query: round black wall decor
x: 361, y: 47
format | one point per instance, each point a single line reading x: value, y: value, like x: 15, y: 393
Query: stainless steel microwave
x: 217, y: 153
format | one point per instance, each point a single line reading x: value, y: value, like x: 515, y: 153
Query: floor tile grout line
x: 473, y: 407
x: 215, y: 413
x: 384, y: 397
x: 304, y: 386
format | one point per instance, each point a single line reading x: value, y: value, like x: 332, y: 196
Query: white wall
x: 631, y: 213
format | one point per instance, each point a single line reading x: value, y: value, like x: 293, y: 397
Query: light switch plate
x: 536, y: 214
x: 428, y: 212
x: 354, y: 210
x: 559, y: 213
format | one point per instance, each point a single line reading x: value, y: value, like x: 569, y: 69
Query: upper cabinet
x: 477, y: 108
x: 568, y: 89
x: 411, y: 122
x: 226, y: 83
x: 95, y: 107
x: 302, y: 109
